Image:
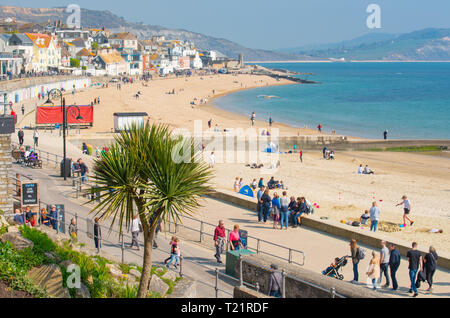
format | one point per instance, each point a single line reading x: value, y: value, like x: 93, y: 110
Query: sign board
x: 30, y: 193
x: 243, y: 235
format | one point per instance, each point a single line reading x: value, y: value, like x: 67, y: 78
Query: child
x: 175, y: 254
x: 329, y: 268
x: 363, y: 219
x: 172, y: 240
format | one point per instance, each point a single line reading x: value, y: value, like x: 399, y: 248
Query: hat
x: 273, y: 266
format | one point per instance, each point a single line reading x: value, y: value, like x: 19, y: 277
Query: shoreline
x: 350, y: 61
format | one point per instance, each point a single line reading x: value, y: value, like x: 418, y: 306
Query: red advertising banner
x: 54, y: 115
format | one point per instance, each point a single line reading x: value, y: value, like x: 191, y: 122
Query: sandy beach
x: 334, y: 185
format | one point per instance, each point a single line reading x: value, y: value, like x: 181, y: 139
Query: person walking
x: 23, y: 110
x: 355, y: 260
x: 406, y: 209
x: 97, y: 234
x: 374, y: 270
x: 385, y: 133
x: 219, y: 240
x: 430, y: 265
x: 73, y: 230
x: 301, y: 155
x: 174, y: 253
x: 374, y: 216
x: 36, y: 138
x: 270, y: 121
x: 394, y: 264
x: 259, y: 206
x: 384, y: 264
x: 136, y: 228
x: 84, y: 170
x: 415, y: 265
x: 284, y: 211
x: 276, y: 210
x: 275, y: 282
x: 266, y: 202
x: 212, y: 160
x: 20, y: 135
x: 253, y: 118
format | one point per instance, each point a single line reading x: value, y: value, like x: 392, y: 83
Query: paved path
x: 54, y: 191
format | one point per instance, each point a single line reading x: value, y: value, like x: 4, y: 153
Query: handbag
x: 421, y: 277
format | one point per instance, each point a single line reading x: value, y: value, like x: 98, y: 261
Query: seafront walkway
x: 319, y: 248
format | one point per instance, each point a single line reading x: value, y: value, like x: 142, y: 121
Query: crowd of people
x: 283, y: 210
x: 387, y: 262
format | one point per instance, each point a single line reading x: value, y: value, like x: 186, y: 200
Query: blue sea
x: 410, y: 100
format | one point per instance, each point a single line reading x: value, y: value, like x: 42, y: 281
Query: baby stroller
x: 333, y: 270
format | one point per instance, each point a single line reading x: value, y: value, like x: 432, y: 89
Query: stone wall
x: 300, y: 282
x: 6, y: 204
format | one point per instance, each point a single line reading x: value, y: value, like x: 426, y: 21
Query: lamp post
x: 57, y: 93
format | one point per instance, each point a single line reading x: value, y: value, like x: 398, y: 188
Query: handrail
x: 258, y: 241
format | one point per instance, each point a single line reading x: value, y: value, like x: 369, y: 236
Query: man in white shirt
x: 136, y: 227
x: 36, y: 138
x: 407, y: 209
x: 367, y: 170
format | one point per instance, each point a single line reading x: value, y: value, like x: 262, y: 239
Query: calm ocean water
x: 410, y: 100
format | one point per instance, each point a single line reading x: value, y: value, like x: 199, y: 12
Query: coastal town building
x: 46, y: 52
x: 30, y: 48
x: 111, y: 61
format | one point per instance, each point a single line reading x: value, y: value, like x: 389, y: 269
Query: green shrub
x: 41, y: 241
x: 14, y: 267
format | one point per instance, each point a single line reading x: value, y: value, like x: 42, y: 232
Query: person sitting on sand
x: 261, y: 183
x: 272, y: 183
x: 367, y: 170
x: 254, y: 185
x: 360, y: 169
x: 364, y: 218
x: 236, y: 185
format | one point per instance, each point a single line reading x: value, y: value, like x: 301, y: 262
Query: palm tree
x: 141, y: 173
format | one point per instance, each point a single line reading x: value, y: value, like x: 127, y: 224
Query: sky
x: 271, y: 24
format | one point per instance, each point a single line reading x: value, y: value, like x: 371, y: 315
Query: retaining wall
x: 334, y: 228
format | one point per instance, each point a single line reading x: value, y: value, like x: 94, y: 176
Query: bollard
x: 57, y: 221
x: 228, y: 236
x: 257, y: 287
x: 122, y: 247
x: 283, y: 289
x: 217, y: 283
x: 333, y: 292
x: 290, y: 256
x: 257, y: 246
x: 181, y: 265
x: 241, y: 278
x: 201, y: 231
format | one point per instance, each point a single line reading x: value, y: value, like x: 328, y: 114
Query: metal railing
x: 332, y: 291
x: 253, y: 243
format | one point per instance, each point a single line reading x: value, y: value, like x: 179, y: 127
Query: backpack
x: 360, y: 253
